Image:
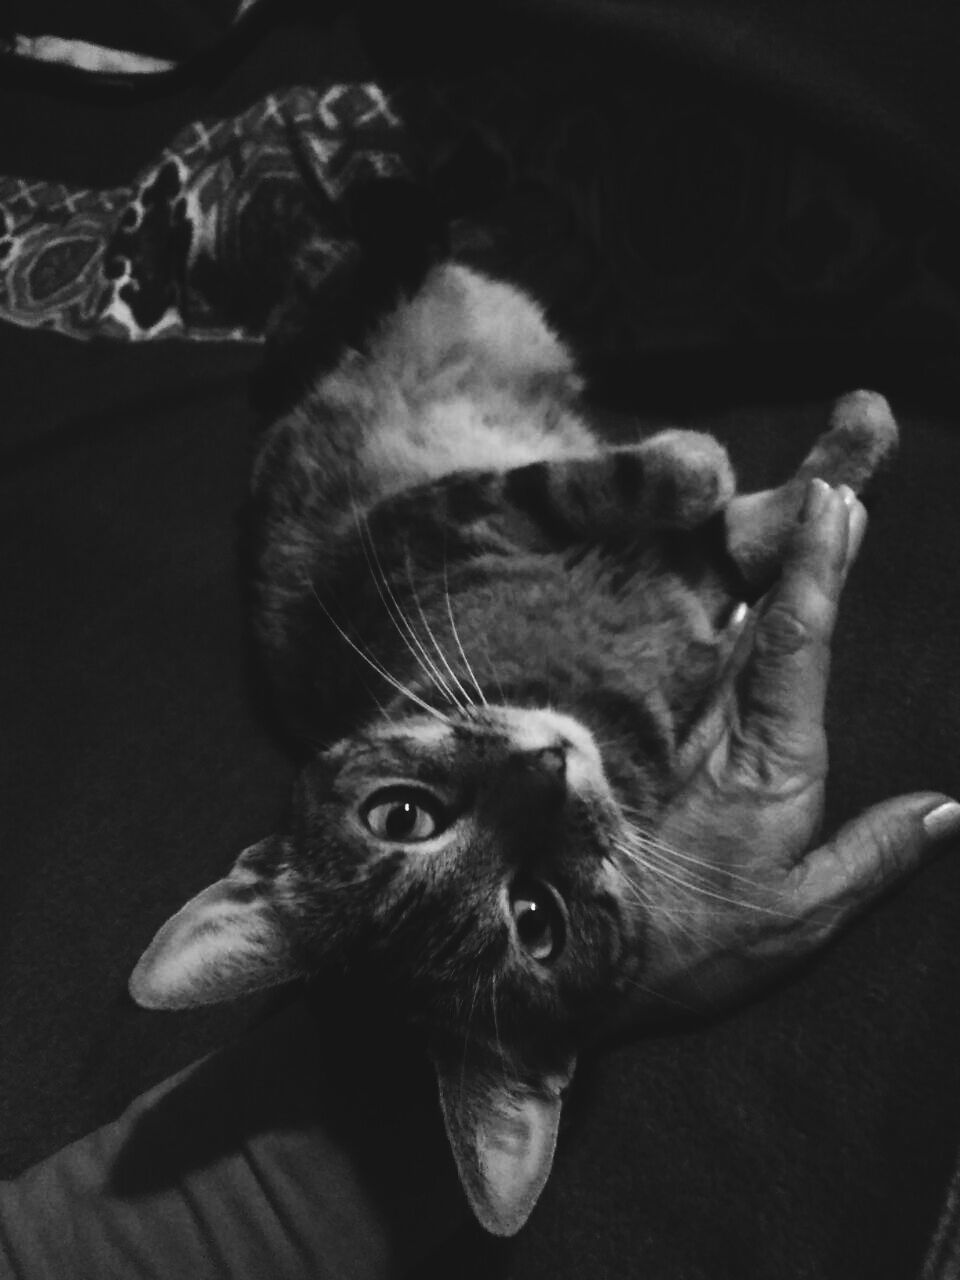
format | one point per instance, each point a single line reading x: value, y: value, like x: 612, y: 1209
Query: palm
x: 739, y: 894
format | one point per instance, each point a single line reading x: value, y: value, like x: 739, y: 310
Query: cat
x: 495, y: 633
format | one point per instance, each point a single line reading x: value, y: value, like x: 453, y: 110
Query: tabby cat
x: 495, y: 633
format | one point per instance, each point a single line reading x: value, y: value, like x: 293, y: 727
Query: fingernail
x: 818, y: 496
x: 738, y: 617
x: 943, y: 821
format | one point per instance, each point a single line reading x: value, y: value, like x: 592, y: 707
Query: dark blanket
x: 735, y: 219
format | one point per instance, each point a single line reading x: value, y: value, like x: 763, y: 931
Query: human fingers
x: 735, y: 641
x: 866, y: 857
x: 738, y: 641
x: 782, y: 687
x: 818, y: 897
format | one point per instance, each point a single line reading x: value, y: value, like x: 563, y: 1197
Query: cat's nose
x: 551, y: 761
x: 533, y: 789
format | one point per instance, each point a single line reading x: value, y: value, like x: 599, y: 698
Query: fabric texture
x: 655, y: 214
x: 736, y: 214
x: 196, y: 245
x: 266, y: 1159
x: 662, y: 220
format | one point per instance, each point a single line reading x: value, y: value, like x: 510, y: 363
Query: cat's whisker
x: 466, y: 1039
x: 648, y: 841
x: 380, y: 582
x: 704, y: 865
x: 456, y: 634
x: 496, y: 1024
x: 651, y: 841
x: 395, y: 612
x: 468, y: 701
x: 671, y: 913
x: 699, y: 881
x: 390, y: 719
x: 493, y: 672
x: 660, y: 996
x: 377, y: 666
x: 637, y: 896
x: 662, y: 909
x: 657, y: 864
x: 679, y: 920
x: 659, y: 868
x: 695, y: 870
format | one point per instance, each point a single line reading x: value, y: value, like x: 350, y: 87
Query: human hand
x: 740, y: 894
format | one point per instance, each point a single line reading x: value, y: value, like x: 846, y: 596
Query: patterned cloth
x: 190, y: 247
x: 650, y: 214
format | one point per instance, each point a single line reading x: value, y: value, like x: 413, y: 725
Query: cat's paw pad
x: 688, y: 477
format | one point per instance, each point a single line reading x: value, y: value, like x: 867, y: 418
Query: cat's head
x: 472, y: 864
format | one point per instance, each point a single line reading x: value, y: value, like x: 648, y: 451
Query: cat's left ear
x: 225, y: 942
x: 503, y: 1134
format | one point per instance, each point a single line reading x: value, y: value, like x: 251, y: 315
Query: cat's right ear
x: 225, y: 942
x: 502, y: 1133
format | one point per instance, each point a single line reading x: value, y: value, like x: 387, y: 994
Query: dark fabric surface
x: 200, y: 243
x: 696, y: 238
x: 124, y: 703
x: 272, y: 1158
x: 811, y: 1135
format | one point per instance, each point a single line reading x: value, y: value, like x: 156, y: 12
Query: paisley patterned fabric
x: 191, y: 248
x: 658, y: 217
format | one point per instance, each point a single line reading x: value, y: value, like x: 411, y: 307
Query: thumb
x: 869, y: 855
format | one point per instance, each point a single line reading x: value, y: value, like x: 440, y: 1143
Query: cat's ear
x: 225, y: 942
x: 503, y: 1134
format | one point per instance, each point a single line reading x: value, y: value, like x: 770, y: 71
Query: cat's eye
x: 403, y: 815
x: 538, y: 920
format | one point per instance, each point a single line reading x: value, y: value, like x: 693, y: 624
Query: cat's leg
x: 862, y: 437
x: 673, y: 480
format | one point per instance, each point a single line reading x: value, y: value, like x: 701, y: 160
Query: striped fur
x: 488, y: 625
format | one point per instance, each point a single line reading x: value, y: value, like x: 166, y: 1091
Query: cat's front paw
x: 674, y: 480
x: 687, y: 478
